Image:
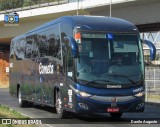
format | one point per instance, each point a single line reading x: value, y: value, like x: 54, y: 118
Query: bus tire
x: 115, y: 115
x: 61, y: 113
x: 20, y: 101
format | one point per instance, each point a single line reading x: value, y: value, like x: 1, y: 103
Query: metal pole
x: 154, y: 78
x: 110, y: 8
x: 30, y: 3
x: 12, y: 5
x: 146, y: 91
x: 77, y: 7
x: 48, y: 2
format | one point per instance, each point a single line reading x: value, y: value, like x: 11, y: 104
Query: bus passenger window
x: 28, y: 52
x: 69, y: 60
x: 42, y: 44
x: 54, y: 48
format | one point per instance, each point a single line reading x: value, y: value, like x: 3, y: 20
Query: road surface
x: 48, y: 115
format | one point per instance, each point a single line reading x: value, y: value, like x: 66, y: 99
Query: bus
x: 80, y: 64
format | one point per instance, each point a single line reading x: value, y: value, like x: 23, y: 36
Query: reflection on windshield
x: 110, y: 60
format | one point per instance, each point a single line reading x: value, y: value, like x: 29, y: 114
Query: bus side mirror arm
x: 152, y: 49
x: 74, y: 47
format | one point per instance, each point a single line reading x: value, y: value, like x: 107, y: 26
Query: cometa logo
x: 46, y: 69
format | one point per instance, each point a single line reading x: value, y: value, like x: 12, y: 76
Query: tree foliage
x: 11, y: 4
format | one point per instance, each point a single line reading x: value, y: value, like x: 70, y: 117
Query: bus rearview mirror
x: 152, y: 49
x: 74, y: 47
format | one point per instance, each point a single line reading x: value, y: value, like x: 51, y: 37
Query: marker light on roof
x: 78, y: 36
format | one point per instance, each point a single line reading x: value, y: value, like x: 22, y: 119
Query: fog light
x: 84, y: 106
x: 140, y: 105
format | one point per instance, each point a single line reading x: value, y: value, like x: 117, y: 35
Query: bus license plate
x: 112, y: 109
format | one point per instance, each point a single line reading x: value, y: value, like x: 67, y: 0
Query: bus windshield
x: 117, y: 60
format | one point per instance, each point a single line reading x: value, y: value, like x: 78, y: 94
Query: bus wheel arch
x: 61, y: 112
x: 56, y: 90
x: 18, y: 87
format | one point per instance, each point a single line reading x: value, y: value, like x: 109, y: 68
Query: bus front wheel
x: 21, y: 102
x: 59, y: 106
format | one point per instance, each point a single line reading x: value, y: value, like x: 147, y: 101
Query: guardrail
x: 11, y: 6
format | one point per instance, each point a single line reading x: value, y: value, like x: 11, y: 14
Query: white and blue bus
x: 80, y: 64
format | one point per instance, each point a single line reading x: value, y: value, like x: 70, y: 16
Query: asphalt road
x: 48, y: 115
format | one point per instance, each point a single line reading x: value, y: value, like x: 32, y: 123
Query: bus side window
x: 66, y: 31
x: 28, y: 47
x: 69, y: 61
x: 12, y: 49
x: 42, y: 44
x: 64, y: 51
x: 35, y: 50
x: 67, y: 57
x: 53, y: 36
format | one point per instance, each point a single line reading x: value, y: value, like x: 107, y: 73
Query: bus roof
x: 97, y: 23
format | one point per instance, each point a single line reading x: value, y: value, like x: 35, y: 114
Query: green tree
x: 2, y: 6
x: 17, y: 3
x: 27, y: 3
x: 11, y: 4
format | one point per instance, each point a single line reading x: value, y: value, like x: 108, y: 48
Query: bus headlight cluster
x: 84, y: 94
x: 81, y: 93
x: 140, y: 94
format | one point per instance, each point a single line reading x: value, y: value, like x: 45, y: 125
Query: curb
x: 153, y: 103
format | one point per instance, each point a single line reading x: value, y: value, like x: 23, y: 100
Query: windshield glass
x: 110, y: 60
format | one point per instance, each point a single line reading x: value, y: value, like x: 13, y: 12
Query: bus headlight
x: 81, y: 93
x: 84, y: 94
x: 140, y: 94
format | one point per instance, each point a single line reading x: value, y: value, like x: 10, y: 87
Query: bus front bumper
x: 106, y: 104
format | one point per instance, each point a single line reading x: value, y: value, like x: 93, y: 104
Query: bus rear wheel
x: 61, y: 113
x: 116, y: 115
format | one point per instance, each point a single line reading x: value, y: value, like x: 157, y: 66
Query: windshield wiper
x: 133, y: 82
x: 99, y: 80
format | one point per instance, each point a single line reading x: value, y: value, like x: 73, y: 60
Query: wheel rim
x: 58, y: 105
x: 19, y: 97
